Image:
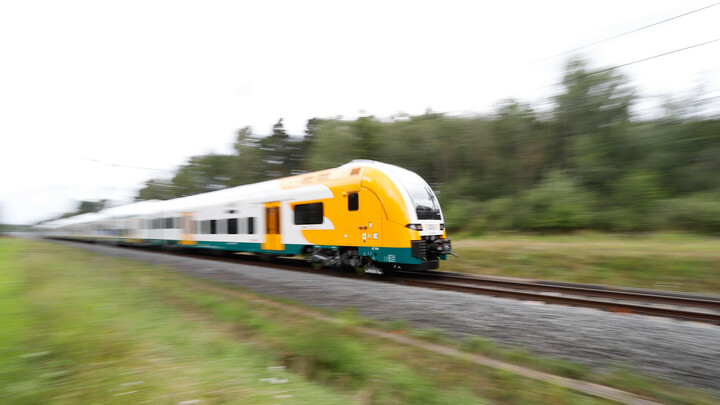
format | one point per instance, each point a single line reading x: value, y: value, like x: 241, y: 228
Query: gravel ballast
x: 680, y: 351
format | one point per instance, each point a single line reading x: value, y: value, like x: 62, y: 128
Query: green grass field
x: 657, y: 261
x: 80, y: 328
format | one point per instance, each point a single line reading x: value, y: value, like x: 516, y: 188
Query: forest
x: 580, y: 161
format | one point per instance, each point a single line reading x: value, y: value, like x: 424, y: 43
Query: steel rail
x: 586, y: 290
x: 612, y: 306
x: 578, y: 295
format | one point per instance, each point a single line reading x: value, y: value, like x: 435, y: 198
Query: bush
x: 700, y: 213
x: 503, y: 213
x: 558, y: 203
x: 459, y: 213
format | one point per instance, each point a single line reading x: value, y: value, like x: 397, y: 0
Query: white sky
x: 151, y: 83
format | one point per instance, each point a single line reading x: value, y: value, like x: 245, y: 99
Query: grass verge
x: 658, y: 261
x: 83, y: 328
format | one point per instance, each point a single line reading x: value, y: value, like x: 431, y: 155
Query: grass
x: 658, y: 261
x: 76, y: 330
x: 83, y: 328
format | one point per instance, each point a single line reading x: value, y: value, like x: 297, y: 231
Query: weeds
x: 80, y: 328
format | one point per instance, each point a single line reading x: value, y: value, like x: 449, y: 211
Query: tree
x: 87, y: 206
x: 592, y: 118
x: 157, y: 189
x: 366, y: 131
x: 247, y: 165
x: 202, y: 174
x: 281, y: 153
x: 333, y: 144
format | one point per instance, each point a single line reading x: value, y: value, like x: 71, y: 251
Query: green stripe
x: 399, y: 255
x: 380, y: 254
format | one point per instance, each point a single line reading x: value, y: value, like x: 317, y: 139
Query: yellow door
x: 187, y: 231
x: 364, y: 219
x: 353, y: 220
x: 372, y: 218
x: 272, y: 227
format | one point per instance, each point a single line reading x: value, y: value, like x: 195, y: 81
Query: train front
x: 414, y: 231
x: 429, y: 243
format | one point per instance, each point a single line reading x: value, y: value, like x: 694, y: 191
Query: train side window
x: 222, y: 226
x: 213, y: 226
x: 169, y: 223
x: 309, y: 214
x: 232, y: 225
x: 353, y: 202
x: 251, y: 225
x: 195, y: 228
x: 205, y: 227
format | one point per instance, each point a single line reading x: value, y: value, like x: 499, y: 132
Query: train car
x: 365, y: 214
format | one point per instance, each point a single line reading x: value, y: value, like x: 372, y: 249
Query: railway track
x: 681, y: 306
x: 684, y: 306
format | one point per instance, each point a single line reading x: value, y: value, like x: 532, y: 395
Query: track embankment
x: 686, y: 352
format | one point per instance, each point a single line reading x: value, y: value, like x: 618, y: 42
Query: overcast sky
x: 88, y: 84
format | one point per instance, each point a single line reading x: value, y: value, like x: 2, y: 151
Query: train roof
x: 259, y: 192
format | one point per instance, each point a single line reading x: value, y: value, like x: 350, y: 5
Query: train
x: 367, y: 215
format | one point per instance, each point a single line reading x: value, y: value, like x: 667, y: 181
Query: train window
x: 309, y: 214
x: 204, y: 226
x: 353, y: 202
x: 195, y: 228
x: 222, y: 226
x: 213, y: 226
x: 178, y: 223
x: 232, y: 225
x: 169, y: 223
x: 251, y: 225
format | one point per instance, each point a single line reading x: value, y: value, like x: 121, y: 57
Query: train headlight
x: 415, y: 227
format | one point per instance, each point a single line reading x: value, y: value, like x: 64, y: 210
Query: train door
x: 187, y: 229
x: 273, y: 239
x: 372, y: 218
x: 364, y: 218
x: 354, y: 221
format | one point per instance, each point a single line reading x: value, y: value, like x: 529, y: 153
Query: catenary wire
x: 637, y: 61
x: 626, y: 33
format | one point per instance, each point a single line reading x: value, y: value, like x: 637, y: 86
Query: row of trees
x: 583, y: 163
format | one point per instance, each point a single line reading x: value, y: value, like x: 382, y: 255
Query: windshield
x: 423, y: 199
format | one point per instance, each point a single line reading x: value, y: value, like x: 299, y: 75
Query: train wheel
x: 360, y: 268
x: 369, y: 266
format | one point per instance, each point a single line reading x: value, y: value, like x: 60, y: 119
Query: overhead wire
x: 638, y: 61
x: 628, y: 32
